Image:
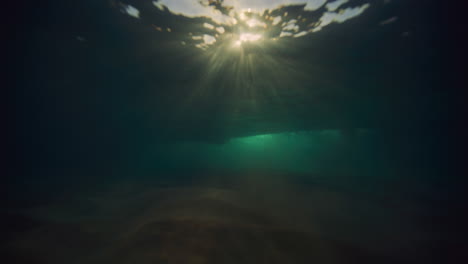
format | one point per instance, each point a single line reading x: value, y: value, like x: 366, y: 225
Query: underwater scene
x: 231, y: 132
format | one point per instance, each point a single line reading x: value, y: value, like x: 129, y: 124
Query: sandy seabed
x: 257, y: 218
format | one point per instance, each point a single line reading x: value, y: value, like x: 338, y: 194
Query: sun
x: 247, y: 37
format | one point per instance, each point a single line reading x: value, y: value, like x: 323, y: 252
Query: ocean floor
x: 242, y: 217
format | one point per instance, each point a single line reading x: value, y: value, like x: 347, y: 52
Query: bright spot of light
x: 334, y: 5
x: 208, y: 26
x: 159, y: 5
x: 242, y: 16
x: 220, y: 30
x: 132, y: 11
x: 276, y: 20
x: 344, y: 14
x: 209, y: 39
x: 300, y: 34
x: 247, y: 37
x: 253, y: 23
x: 230, y: 16
x: 285, y: 34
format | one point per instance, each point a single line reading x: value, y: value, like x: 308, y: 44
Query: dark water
x: 300, y: 133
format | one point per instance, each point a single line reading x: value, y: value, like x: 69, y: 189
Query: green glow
x: 308, y: 151
x: 259, y: 140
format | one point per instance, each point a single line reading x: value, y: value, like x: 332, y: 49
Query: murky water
x: 286, y: 131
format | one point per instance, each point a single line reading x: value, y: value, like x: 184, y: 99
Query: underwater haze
x: 231, y: 131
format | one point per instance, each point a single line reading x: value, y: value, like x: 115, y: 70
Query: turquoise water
x: 299, y: 152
